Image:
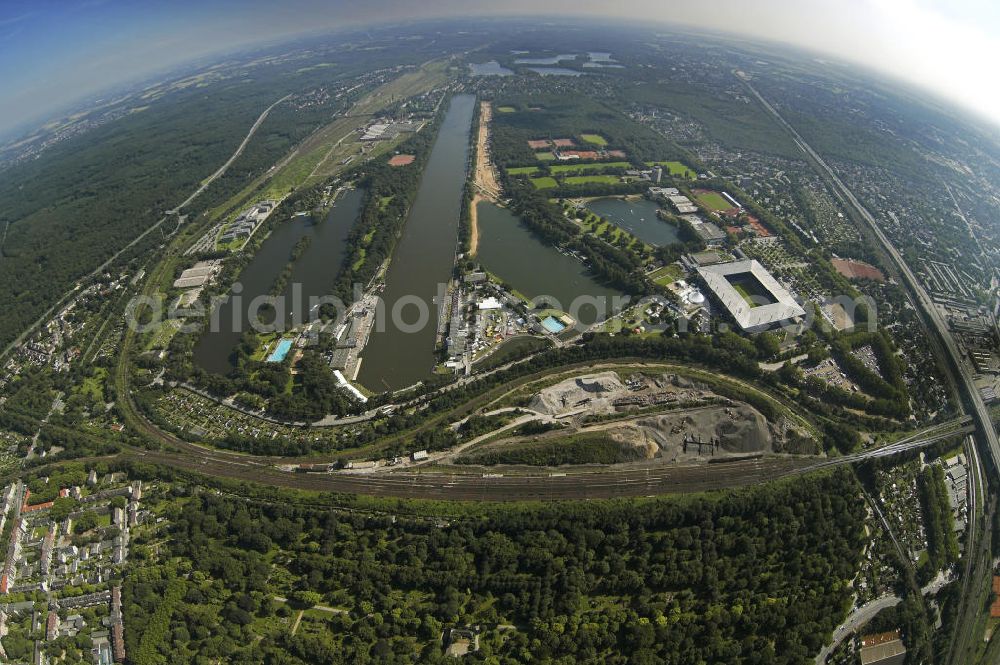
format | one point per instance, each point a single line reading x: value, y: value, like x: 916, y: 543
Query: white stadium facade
x: 763, y: 302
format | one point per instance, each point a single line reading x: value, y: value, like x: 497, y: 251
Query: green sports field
x: 544, y: 156
x: 585, y: 179
x: 545, y: 182
x: 569, y: 168
x: 522, y: 170
x: 506, y: 109
x: 752, y: 291
x: 667, y: 274
x: 596, y: 139
x: 676, y: 169
x: 713, y: 201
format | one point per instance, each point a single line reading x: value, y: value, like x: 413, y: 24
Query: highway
x: 986, y: 434
x: 976, y: 560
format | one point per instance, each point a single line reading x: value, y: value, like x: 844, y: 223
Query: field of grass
x: 596, y: 139
x: 506, y: 109
x: 570, y: 168
x: 752, y: 291
x: 93, y: 385
x: 667, y: 274
x: 590, y: 448
x: 676, y: 169
x: 609, y: 232
x: 164, y: 333
x: 320, y: 155
x: 363, y: 250
x: 511, y: 349
x: 544, y: 182
x: 584, y: 179
x: 713, y: 201
x: 522, y: 170
x: 745, y: 293
x: 545, y: 156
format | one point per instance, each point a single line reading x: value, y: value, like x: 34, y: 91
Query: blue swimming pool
x: 553, y: 325
x: 280, y: 351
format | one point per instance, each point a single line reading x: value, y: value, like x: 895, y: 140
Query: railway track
x: 598, y: 484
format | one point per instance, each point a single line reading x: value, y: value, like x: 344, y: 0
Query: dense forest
x: 85, y: 198
x: 753, y: 576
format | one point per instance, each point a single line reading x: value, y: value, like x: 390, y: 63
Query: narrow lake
x: 637, y: 217
x: 423, y: 259
x: 510, y: 251
x: 315, y: 270
x: 491, y: 68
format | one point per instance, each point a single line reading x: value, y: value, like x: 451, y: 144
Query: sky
x: 53, y: 52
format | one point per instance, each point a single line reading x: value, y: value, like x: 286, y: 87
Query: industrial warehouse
x: 751, y: 295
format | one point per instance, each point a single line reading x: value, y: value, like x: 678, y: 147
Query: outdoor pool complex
x: 552, y: 324
x: 280, y: 351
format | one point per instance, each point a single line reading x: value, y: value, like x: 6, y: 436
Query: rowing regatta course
x: 423, y: 259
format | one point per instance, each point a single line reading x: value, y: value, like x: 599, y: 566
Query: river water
x: 424, y: 256
x: 315, y: 271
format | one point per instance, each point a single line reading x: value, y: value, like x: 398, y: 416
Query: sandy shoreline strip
x: 474, y: 223
x: 487, y: 187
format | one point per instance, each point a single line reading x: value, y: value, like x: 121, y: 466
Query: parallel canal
x: 424, y: 256
x: 638, y: 217
x: 510, y: 251
x: 315, y: 271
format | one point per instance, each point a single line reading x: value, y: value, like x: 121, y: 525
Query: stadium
x: 751, y: 295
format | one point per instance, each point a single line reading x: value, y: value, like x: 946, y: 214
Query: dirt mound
x: 680, y: 381
x: 637, y: 439
x: 745, y: 432
x: 740, y: 429
x: 593, y: 392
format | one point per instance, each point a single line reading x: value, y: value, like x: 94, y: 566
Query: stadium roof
x: 750, y: 318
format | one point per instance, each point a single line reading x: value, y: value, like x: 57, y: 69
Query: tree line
x: 750, y: 576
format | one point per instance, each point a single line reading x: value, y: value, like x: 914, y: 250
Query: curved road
x: 212, y: 178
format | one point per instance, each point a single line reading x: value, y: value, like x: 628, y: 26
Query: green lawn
x: 569, y: 168
x: 713, y: 201
x: 585, y: 179
x: 511, y: 349
x: 596, y: 139
x: 745, y: 293
x: 752, y: 291
x: 163, y: 334
x: 586, y: 448
x: 545, y: 156
x: 264, y: 343
x: 598, y: 226
x: 94, y: 385
x: 676, y: 169
x: 544, y: 182
x: 522, y: 170
x: 667, y: 274
x: 362, y: 253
